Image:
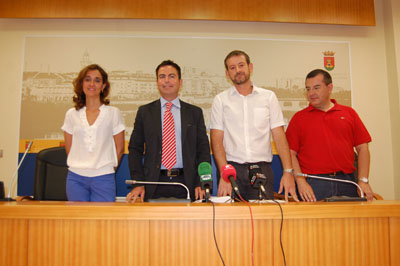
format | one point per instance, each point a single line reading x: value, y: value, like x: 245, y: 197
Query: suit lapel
x: 184, y: 121
x: 156, y: 119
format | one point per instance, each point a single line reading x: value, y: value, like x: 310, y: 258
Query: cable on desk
x: 280, y: 232
x: 215, y: 239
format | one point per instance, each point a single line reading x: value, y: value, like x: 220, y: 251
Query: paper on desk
x: 227, y: 199
x: 267, y: 201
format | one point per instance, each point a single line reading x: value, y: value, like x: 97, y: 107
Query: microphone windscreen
x: 204, y: 169
x: 227, y: 171
x: 254, y: 170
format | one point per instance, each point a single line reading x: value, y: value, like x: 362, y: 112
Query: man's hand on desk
x: 305, y: 190
x: 288, y: 183
x: 135, y: 193
x: 224, y: 188
x: 199, y: 193
x: 367, y: 190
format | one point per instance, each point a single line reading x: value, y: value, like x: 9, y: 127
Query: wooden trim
x: 342, y: 12
x: 169, y: 211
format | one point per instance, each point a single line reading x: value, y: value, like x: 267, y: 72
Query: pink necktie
x: 168, y: 158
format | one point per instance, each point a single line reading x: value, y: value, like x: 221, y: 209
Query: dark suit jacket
x: 146, y: 141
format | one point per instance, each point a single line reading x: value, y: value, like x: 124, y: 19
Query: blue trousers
x: 98, y: 188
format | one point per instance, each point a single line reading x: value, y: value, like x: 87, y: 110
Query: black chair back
x: 51, y: 174
x: 1, y: 190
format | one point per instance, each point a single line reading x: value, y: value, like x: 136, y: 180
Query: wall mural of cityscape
x: 52, y: 62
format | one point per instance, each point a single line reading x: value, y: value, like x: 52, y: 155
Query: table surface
x: 195, y: 211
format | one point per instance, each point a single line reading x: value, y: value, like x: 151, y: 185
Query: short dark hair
x: 236, y: 53
x: 80, y: 97
x: 169, y: 63
x: 327, y: 77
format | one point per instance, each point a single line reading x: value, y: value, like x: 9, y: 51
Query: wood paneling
x: 345, y: 12
x: 395, y: 241
x: 13, y: 244
x: 69, y: 233
x: 88, y: 242
x: 192, y: 242
x: 360, y: 241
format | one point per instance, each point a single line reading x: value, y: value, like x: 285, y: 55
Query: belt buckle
x: 171, y: 173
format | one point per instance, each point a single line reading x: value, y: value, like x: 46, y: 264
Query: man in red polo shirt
x: 322, y: 138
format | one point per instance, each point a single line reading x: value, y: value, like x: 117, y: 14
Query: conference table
x: 118, y: 233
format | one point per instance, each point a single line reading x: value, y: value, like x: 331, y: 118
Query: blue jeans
x: 98, y: 188
x: 325, y: 189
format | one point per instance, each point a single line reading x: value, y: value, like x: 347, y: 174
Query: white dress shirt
x: 93, y: 151
x: 247, y: 122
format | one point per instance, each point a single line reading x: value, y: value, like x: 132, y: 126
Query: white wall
x: 369, y: 52
x: 392, y: 15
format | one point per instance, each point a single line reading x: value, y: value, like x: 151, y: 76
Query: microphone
x: 134, y: 182
x: 334, y: 180
x: 228, y: 173
x: 257, y: 179
x: 15, y: 173
x: 205, y: 170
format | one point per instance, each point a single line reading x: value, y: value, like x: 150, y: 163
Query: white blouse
x: 93, y: 151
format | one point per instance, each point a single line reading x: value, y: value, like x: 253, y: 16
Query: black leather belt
x: 335, y: 173
x: 172, y: 172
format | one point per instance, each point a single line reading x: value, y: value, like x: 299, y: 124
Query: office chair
x: 51, y: 174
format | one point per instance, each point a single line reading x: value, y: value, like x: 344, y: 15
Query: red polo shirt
x: 325, y: 141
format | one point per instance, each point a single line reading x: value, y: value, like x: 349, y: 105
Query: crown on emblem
x: 329, y: 53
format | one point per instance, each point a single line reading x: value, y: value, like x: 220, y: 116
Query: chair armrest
x: 377, y: 196
x: 21, y: 198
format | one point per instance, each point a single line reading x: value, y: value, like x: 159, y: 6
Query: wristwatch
x: 363, y: 179
x: 288, y: 170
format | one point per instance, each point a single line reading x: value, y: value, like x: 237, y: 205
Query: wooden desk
x: 70, y: 233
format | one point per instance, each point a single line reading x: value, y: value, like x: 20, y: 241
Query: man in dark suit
x: 189, y: 143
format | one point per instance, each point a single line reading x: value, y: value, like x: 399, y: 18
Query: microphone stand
x: 15, y: 174
x: 133, y: 182
x: 258, y: 180
x: 334, y: 180
x: 207, y: 194
x: 262, y: 192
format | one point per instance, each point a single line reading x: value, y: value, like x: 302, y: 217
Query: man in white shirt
x: 242, y: 120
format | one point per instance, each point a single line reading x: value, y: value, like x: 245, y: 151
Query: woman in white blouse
x: 94, y: 138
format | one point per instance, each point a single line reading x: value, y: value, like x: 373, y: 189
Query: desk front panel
x: 54, y: 233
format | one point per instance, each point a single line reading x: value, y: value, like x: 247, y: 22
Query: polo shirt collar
x: 336, y: 106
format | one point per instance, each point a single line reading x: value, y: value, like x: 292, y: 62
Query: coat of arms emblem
x: 329, y: 60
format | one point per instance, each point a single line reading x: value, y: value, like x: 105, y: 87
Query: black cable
x: 280, y: 232
x: 215, y: 239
